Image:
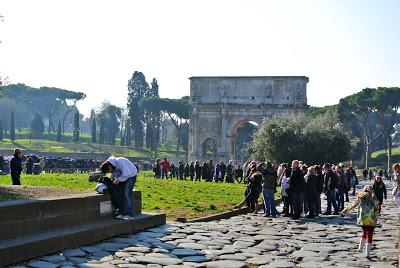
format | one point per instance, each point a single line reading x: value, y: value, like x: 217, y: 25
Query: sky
x: 94, y: 47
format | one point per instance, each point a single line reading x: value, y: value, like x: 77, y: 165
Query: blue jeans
x: 126, y: 196
x: 269, y: 201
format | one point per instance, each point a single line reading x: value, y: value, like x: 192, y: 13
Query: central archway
x: 242, y: 135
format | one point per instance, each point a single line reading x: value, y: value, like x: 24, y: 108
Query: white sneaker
x: 119, y: 216
x: 127, y: 218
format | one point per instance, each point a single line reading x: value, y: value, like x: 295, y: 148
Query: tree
x: 94, y: 130
x: 1, y: 131
x: 178, y: 111
x: 102, y: 130
x: 47, y: 101
x: 312, y: 140
x: 153, y: 120
x: 386, y: 102
x: 12, y: 128
x: 359, y: 107
x: 37, y: 125
x: 59, y: 133
x: 128, y: 141
x: 76, y: 126
x: 137, y: 90
x: 111, y: 116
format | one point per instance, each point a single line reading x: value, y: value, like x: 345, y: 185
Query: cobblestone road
x: 243, y: 241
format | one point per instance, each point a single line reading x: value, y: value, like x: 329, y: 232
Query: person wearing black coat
x: 191, y: 170
x: 205, y: 172
x: 311, y: 192
x: 380, y: 191
x: 330, y: 185
x: 197, y: 171
x: 320, y: 187
x: 16, y: 167
x: 181, y: 170
x: 239, y: 174
x: 254, y: 187
x: 296, y: 189
x: 222, y: 167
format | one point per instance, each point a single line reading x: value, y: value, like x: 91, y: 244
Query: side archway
x: 209, y: 149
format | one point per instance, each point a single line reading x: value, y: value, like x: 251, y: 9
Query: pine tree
x: 128, y: 141
x: 37, y: 125
x: 102, y: 131
x: 76, y: 126
x: 59, y: 134
x: 1, y: 131
x: 94, y: 130
x: 12, y: 128
x: 153, y: 120
x: 137, y: 90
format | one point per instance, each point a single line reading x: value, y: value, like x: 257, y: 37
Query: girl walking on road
x: 368, y: 212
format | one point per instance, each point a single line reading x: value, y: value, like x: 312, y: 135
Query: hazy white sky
x: 95, y: 46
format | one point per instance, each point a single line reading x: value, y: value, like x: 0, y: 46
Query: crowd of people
x: 196, y: 171
x: 301, y: 186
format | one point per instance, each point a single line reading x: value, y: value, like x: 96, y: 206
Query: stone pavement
x: 243, y: 241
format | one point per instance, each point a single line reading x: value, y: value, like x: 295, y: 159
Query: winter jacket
x: 269, y: 178
x: 368, y: 210
x: 319, y: 184
x: 16, y: 166
x: 310, y: 184
x: 296, y: 181
x: 380, y: 191
x: 191, y: 170
x: 230, y: 170
x: 330, y: 181
x: 255, y: 182
x: 123, y: 168
x: 197, y: 169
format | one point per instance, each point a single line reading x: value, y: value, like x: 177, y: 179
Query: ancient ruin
x: 220, y: 105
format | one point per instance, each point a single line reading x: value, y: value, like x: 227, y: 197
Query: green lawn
x: 377, y: 154
x: 175, y: 198
x: 50, y: 146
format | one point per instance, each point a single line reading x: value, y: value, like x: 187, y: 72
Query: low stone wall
x: 32, y: 228
x: 27, y: 217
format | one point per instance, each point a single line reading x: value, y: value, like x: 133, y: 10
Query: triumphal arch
x: 220, y: 105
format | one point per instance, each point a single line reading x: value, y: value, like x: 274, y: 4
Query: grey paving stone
x: 74, y: 253
x: 41, y: 264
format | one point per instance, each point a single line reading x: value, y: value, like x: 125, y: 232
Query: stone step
x: 28, y: 247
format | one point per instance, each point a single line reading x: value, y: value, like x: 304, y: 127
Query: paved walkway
x: 243, y: 241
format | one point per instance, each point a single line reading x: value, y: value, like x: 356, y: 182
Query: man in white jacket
x: 123, y: 175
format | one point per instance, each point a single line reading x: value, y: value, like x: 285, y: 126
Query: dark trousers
x: 198, y: 177
x: 164, y: 172
x: 297, y: 202
x: 312, y: 204
x: 286, y: 205
x: 15, y: 179
x: 114, y: 192
x: 341, y: 199
x: 346, y: 194
x: 252, y: 200
x: 331, y: 198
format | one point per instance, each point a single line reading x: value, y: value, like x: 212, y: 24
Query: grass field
x: 49, y: 146
x: 175, y: 198
x: 377, y: 154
